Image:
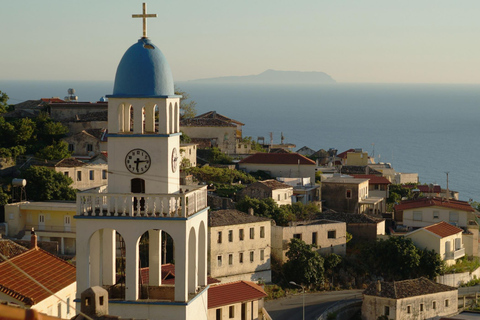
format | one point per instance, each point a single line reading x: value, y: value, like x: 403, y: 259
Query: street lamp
x: 303, y: 288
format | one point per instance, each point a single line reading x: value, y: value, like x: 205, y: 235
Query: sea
x: 430, y: 129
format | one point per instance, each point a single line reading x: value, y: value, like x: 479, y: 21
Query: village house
x: 56, y: 275
x: 350, y: 195
x: 240, y: 300
x: 362, y: 227
x: 419, y: 213
x: 358, y: 157
x: 221, y: 132
x: 280, y: 192
x: 290, y: 165
x: 305, y: 151
x: 444, y: 238
x: 303, y: 190
x: 188, y: 155
x: 433, y: 190
x: 238, y: 246
x: 52, y: 221
x: 65, y: 111
x: 87, y: 143
x: 409, y: 299
x: 328, y: 236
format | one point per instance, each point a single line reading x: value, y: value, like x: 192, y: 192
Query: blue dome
x: 143, y: 72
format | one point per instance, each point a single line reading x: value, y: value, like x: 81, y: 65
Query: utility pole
x: 448, y: 192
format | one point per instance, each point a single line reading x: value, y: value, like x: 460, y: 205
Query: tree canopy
x: 3, y: 102
x: 46, y: 184
x: 187, y: 108
x: 304, y: 265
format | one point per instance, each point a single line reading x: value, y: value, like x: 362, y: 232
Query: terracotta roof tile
x: 372, y: 179
x: 406, y: 288
x: 10, y: 249
x: 437, y: 202
x: 52, y: 272
x: 234, y: 292
x: 231, y: 217
x: 278, y: 158
x: 343, y: 155
x: 443, y: 229
x: 275, y: 184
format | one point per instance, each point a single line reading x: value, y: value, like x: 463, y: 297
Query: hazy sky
x: 434, y: 41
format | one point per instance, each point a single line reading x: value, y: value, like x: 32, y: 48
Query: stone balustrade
x: 177, y: 205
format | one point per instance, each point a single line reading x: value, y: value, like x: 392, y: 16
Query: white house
x: 53, y: 273
x: 280, y: 192
x: 444, y: 238
x: 239, y: 246
x: 409, y: 299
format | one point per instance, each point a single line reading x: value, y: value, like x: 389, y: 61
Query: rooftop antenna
x: 448, y: 192
x: 271, y: 139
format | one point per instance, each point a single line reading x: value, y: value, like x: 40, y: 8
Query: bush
x: 274, y: 292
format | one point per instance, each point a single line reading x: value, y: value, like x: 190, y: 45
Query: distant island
x: 274, y: 77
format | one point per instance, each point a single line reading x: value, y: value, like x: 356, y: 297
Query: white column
x: 108, y: 257
x: 126, y: 117
x: 62, y: 245
x: 180, y: 245
x: 95, y: 259
x: 82, y: 265
x: 132, y: 258
x: 155, y: 257
x: 138, y: 118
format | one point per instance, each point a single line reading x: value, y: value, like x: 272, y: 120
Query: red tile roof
x: 343, y: 155
x: 443, y: 229
x: 233, y: 292
x: 437, y: 202
x: 52, y: 100
x: 10, y: 249
x: 372, y: 179
x: 278, y: 158
x: 52, y: 272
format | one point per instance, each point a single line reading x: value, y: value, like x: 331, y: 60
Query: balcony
x: 458, y: 253
x: 48, y: 228
x: 178, y: 205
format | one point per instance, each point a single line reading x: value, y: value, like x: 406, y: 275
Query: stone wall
x: 456, y: 279
x: 216, y: 202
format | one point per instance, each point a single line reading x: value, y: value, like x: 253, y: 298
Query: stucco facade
x: 188, y: 154
x: 280, y: 192
x: 52, y: 221
x: 237, y: 311
x: 344, y: 194
x: 329, y: 237
x: 239, y: 251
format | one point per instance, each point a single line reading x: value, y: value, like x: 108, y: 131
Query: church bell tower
x: 144, y: 200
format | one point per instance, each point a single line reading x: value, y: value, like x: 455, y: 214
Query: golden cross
x: 144, y: 15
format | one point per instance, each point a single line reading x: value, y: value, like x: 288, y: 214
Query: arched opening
x: 137, y: 185
x: 107, y: 262
x: 170, y: 118
x: 149, y: 118
x: 156, y: 117
x: 202, y: 255
x: 121, y: 117
x: 156, y: 266
x: 131, y: 119
x: 192, y: 262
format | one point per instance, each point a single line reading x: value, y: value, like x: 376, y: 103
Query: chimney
x: 250, y: 211
x: 379, y: 286
x: 33, y: 240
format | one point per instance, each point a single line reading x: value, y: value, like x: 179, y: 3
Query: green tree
x: 24, y: 131
x: 267, y: 208
x: 187, y: 108
x: 217, y: 156
x: 3, y: 102
x: 4, y: 197
x: 304, y: 265
x: 219, y: 175
x: 431, y: 265
x: 46, y: 184
x: 184, y: 138
x: 56, y: 151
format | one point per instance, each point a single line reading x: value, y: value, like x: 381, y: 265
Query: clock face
x: 138, y: 161
x: 174, y: 159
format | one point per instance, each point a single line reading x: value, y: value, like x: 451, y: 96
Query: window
x: 262, y: 255
x: 79, y: 175
x: 230, y: 235
x: 101, y: 301
x: 458, y: 244
x: 219, y: 261
x: 386, y: 310
x: 436, y: 215
x: 65, y: 173
x: 409, y: 309
x: 446, y: 303
x: 59, y: 309
x: 231, y: 312
x: 285, y: 196
x: 332, y: 234
x: 434, y: 305
x: 68, y: 305
x: 314, y: 238
x: 104, y: 174
x: 92, y: 174
x: 278, y: 197
x: 41, y: 218
x: 240, y: 257
x: 89, y: 147
x: 348, y: 194
x: 421, y: 306
x: 453, y: 216
x: 219, y: 238
x: 241, y: 234
x: 71, y: 147
x: 252, y: 256
x: 230, y: 259
x: 417, y: 215
x: 252, y: 233
x: 297, y: 236
x: 218, y: 314
x: 262, y: 232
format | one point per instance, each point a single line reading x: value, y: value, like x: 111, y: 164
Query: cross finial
x: 144, y: 15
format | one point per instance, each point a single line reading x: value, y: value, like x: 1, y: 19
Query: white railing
x: 458, y: 253
x: 157, y: 205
